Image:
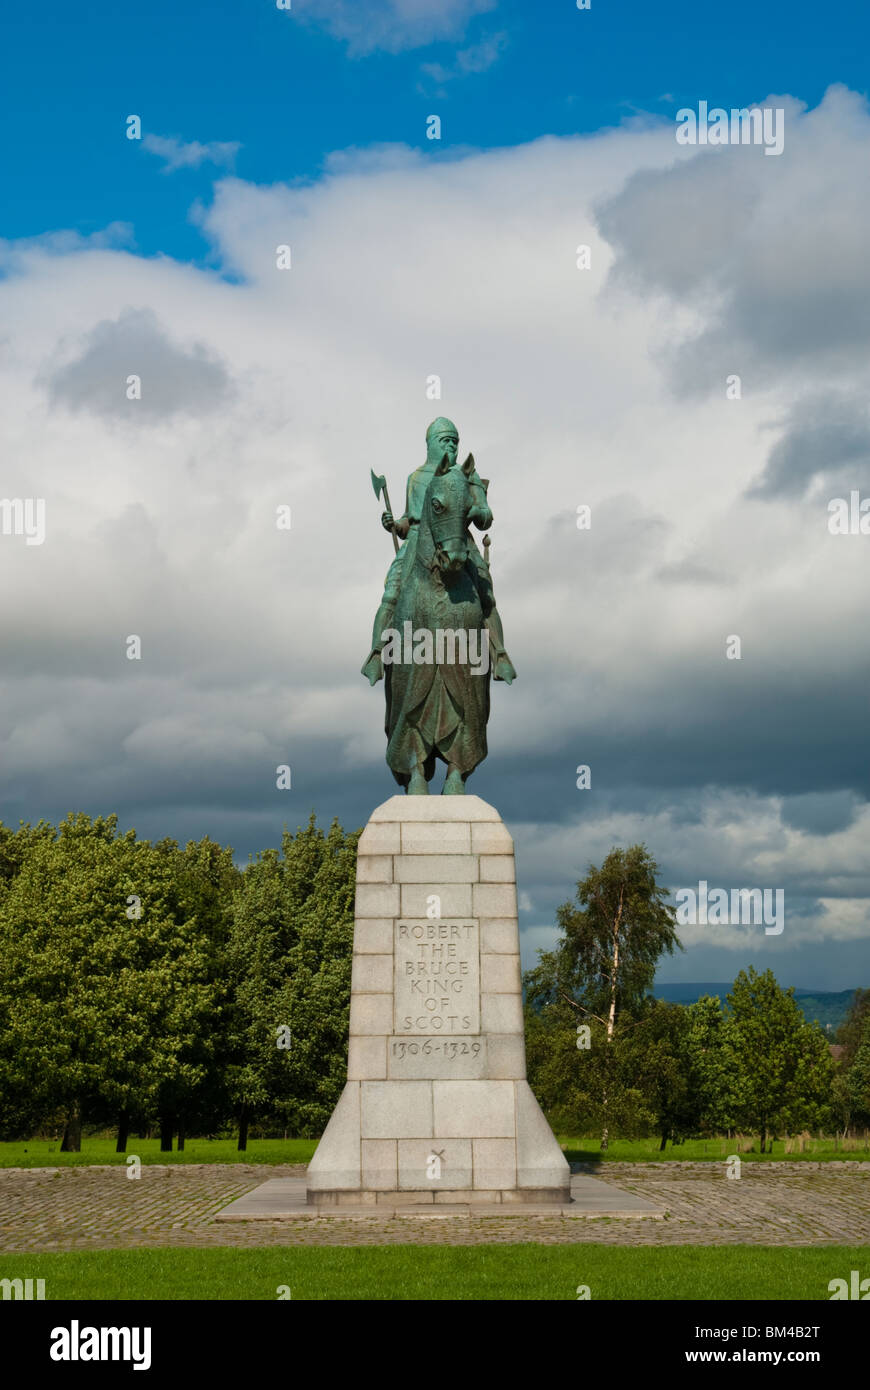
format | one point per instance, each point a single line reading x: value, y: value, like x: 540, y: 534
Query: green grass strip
x: 444, y: 1273
x: 45, y: 1153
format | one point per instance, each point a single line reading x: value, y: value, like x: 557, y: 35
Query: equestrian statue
x: 437, y: 636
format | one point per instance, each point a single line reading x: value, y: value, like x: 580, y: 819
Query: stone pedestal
x: 437, y: 1108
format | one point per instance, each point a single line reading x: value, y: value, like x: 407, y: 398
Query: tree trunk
x: 72, y: 1134
x: 180, y: 1144
x: 614, y: 971
x: 123, y: 1130
x: 664, y: 1144
x: 243, y: 1129
x: 611, y: 1013
x: 166, y: 1134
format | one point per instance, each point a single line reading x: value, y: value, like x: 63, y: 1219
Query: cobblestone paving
x: 99, y: 1208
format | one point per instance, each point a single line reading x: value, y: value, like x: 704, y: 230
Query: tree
x: 852, y: 1032
x: 604, y: 965
x: 289, y: 958
x: 204, y: 879
x: 857, y: 1079
x: 661, y: 1069
x: 319, y: 986
x: 105, y: 991
x: 781, y: 1064
x: 259, y: 946
x: 710, y: 1075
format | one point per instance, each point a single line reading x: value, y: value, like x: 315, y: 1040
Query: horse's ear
x: 443, y: 466
x: 468, y: 466
x: 484, y: 483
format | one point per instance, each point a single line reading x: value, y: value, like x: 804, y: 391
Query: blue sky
x: 602, y: 387
x: 290, y: 94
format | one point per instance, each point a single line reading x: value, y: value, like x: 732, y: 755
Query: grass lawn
x: 433, y: 1272
x: 45, y: 1153
x: 588, y: 1150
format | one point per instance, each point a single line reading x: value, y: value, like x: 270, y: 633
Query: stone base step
x: 284, y: 1199
x: 428, y: 1197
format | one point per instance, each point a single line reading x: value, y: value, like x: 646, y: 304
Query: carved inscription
x: 430, y: 1057
x: 437, y: 977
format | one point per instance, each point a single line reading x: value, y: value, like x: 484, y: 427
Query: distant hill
x: 826, y: 1007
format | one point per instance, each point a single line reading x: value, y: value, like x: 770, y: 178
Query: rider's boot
x: 373, y: 667
x: 502, y: 666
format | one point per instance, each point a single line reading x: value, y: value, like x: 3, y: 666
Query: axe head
x: 379, y: 482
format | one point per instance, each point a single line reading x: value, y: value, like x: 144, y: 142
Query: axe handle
x: 393, y: 527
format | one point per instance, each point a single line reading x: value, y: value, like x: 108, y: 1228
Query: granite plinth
x: 436, y: 1108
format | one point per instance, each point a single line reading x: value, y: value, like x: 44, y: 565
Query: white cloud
x: 179, y: 154
x: 252, y: 638
x: 477, y: 58
x: 391, y: 25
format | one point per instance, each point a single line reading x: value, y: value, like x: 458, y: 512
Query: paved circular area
x: 100, y: 1208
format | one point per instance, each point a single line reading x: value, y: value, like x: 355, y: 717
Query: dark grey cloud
x: 174, y: 380
x: 825, y: 434
x: 681, y: 231
x: 769, y: 252
x: 821, y: 813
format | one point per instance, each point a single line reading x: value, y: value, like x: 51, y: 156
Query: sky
x: 608, y: 385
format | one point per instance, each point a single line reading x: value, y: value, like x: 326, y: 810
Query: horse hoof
x: 418, y: 786
x: 453, y: 785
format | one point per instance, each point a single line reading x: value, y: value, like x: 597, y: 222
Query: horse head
x: 445, y: 513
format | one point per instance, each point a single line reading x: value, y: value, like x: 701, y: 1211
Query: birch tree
x: 604, y: 965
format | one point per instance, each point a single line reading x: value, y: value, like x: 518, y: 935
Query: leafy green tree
x: 852, y: 1032
x: 104, y: 990
x: 581, y: 1087
x: 782, y: 1066
x: 857, y: 1080
x: 709, y: 1066
x: 261, y: 935
x: 289, y: 963
x: 319, y: 986
x: 604, y: 965
x: 15, y: 845
x: 204, y: 880
x: 661, y: 1069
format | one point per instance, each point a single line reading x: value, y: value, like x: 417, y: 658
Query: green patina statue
x: 437, y: 634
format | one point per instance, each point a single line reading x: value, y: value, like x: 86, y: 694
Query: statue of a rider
x: 442, y: 438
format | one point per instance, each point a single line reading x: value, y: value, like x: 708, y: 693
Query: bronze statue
x: 438, y: 633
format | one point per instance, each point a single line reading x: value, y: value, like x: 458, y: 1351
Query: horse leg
x: 454, y: 782
x: 418, y: 785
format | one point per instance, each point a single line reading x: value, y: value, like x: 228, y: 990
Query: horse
x: 438, y: 706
